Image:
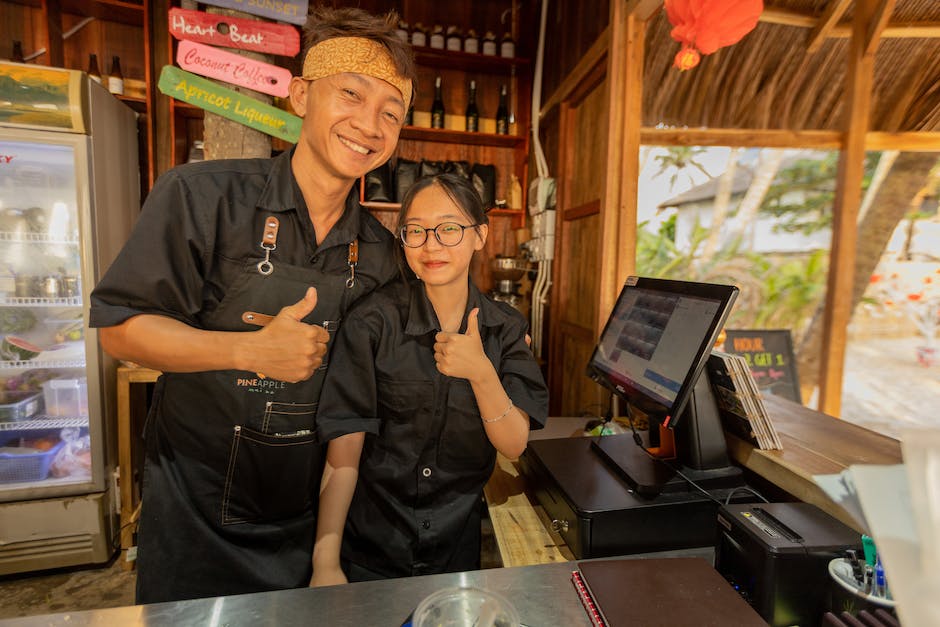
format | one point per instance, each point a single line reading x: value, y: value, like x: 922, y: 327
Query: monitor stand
x: 701, y: 452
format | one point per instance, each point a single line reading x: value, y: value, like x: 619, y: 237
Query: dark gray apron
x: 233, y: 464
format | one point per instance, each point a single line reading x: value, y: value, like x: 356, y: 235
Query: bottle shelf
x: 394, y: 206
x: 467, y: 61
x: 447, y: 136
x: 42, y: 363
x: 40, y: 301
x: 37, y: 238
x: 41, y: 421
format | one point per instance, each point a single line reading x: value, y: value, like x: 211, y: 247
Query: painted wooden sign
x: 234, y: 32
x: 293, y: 11
x: 232, y: 68
x: 230, y: 104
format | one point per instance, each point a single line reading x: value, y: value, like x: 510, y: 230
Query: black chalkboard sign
x: 769, y: 354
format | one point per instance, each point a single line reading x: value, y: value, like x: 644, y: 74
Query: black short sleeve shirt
x: 200, y: 223
x: 417, y: 504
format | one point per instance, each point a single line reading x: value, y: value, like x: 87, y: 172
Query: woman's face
x: 435, y: 264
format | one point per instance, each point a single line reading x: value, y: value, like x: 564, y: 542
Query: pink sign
x: 234, y: 32
x: 233, y: 68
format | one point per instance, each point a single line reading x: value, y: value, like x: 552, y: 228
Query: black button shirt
x: 203, y: 221
x: 416, y: 509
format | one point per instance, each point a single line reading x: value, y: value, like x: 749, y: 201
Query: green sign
x: 205, y: 94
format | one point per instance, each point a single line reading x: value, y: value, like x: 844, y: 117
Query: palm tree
x: 677, y: 159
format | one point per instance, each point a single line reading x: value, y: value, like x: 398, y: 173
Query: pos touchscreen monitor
x: 652, y: 354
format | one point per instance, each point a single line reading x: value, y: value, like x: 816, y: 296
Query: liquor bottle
x: 489, y: 44
x: 454, y: 40
x: 418, y: 36
x: 472, y: 43
x: 437, y: 107
x: 116, y: 78
x: 93, y: 72
x: 402, y: 31
x: 18, y: 52
x: 437, y: 37
x: 472, y: 114
x: 502, y: 113
x: 507, y: 47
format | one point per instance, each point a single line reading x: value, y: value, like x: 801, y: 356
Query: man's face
x: 351, y: 122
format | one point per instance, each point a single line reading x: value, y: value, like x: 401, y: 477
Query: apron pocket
x: 270, y: 476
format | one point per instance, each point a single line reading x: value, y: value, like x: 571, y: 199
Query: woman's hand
x: 461, y: 354
x: 324, y: 576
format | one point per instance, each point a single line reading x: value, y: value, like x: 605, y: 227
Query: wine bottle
x: 116, y: 77
x: 93, y: 72
x: 18, y: 52
x: 507, y: 47
x: 489, y: 44
x: 418, y: 36
x: 401, y: 31
x: 502, y: 113
x: 472, y: 114
x: 437, y: 37
x: 454, y: 40
x: 437, y: 107
x: 472, y: 43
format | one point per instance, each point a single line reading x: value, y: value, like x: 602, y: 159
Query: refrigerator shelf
x: 36, y: 301
x: 52, y: 422
x: 42, y: 363
x: 37, y: 238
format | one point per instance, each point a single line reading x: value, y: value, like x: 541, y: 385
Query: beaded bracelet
x: 501, y: 416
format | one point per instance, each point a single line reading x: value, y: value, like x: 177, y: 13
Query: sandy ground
x: 885, y: 389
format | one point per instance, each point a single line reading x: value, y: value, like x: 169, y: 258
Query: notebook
x: 674, y: 592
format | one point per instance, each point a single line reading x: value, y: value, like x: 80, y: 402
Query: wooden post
x: 164, y: 126
x: 227, y: 139
x: 52, y: 12
x: 845, y: 210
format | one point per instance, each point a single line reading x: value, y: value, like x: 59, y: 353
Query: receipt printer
x: 776, y: 555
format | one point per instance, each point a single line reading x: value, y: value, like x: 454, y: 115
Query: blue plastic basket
x: 27, y: 467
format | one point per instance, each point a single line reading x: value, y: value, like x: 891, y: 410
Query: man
x: 230, y: 284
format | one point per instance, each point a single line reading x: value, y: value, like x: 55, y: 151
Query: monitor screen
x: 657, y: 340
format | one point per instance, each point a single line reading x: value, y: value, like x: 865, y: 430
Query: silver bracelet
x: 501, y: 416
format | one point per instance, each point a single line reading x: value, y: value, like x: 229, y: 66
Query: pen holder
x: 848, y: 595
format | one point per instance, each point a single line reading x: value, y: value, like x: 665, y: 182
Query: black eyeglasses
x: 447, y: 233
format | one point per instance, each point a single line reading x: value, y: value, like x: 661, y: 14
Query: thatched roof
x: 768, y: 81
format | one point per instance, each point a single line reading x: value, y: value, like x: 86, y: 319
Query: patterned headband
x: 358, y: 55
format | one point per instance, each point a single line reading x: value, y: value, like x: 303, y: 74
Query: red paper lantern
x: 704, y: 26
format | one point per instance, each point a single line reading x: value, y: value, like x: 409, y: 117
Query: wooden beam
x: 878, y: 23
x: 642, y: 9
x: 839, y: 287
x: 898, y: 30
x: 772, y: 138
x: 52, y: 13
x: 762, y: 138
x: 595, y: 55
x: 834, y: 11
x: 913, y: 142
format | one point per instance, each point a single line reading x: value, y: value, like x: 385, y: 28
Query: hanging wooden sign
x: 293, y: 11
x: 230, y: 104
x: 234, y: 32
x: 233, y: 68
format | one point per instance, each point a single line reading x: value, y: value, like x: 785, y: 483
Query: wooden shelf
x: 448, y: 136
x: 467, y: 61
x: 137, y: 104
x: 394, y: 206
x: 111, y: 10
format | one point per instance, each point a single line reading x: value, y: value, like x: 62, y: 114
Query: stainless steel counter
x: 543, y: 596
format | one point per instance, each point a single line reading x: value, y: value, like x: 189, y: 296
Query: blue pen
x: 880, y: 583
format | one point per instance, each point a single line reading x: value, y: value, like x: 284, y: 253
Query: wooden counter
x: 813, y: 444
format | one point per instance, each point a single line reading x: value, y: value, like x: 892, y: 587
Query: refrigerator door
x: 48, y: 437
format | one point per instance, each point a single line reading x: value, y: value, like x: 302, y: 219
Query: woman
x: 441, y: 377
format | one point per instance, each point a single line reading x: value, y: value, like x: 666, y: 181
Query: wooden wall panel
x: 585, y: 181
x: 22, y: 23
x: 580, y: 394
x: 579, y: 302
x: 571, y: 28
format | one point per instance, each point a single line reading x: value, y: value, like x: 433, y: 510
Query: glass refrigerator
x: 69, y: 194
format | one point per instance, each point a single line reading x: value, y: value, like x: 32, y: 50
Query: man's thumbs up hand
x: 291, y: 350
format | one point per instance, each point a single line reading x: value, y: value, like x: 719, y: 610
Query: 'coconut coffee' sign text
x: 230, y: 104
x: 233, y: 68
x: 293, y: 11
x: 234, y: 32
